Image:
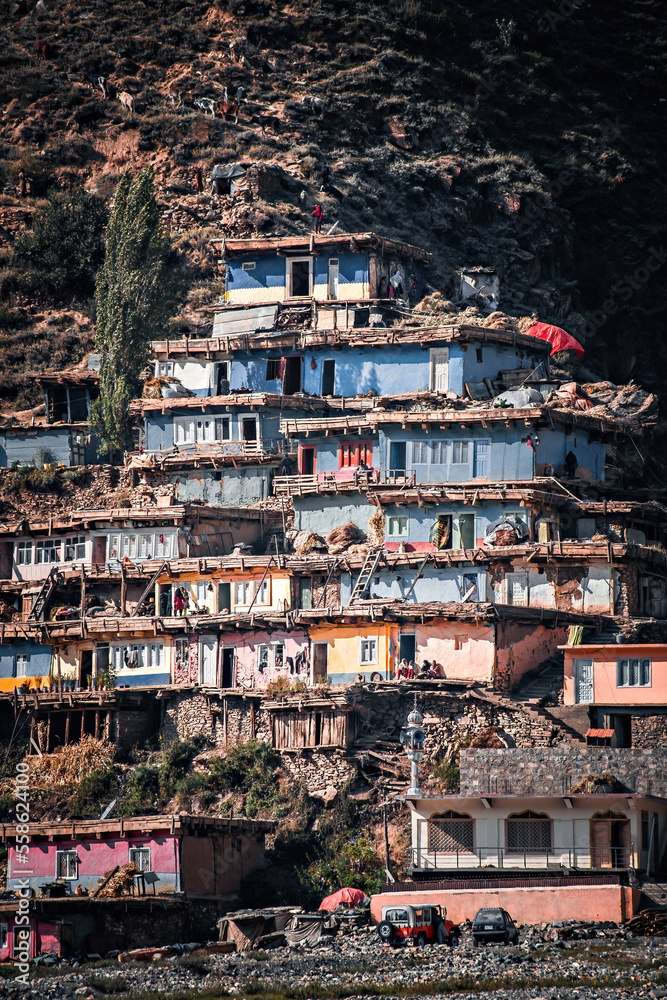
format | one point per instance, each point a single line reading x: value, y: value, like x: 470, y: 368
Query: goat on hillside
x: 41, y: 48
x: 317, y: 105
x: 127, y: 101
x: 229, y: 109
x: 206, y: 104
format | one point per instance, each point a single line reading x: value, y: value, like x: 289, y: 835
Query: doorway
x: 292, y: 375
x: 299, y: 278
x: 207, y: 661
x: 328, y: 377
x: 397, y: 453
x: 86, y: 669
x: 407, y: 646
x: 306, y: 460
x: 320, y: 660
x: 224, y: 598
x: 610, y: 841
x: 466, y: 526
x: 249, y: 428
x: 228, y: 667
x: 99, y: 550
x: 333, y: 278
x: 222, y: 378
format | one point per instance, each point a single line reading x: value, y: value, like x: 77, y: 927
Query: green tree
x: 133, y: 299
x: 65, y: 246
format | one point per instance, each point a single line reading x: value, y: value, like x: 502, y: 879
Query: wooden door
x: 320, y: 660
x: 600, y: 843
x: 207, y: 661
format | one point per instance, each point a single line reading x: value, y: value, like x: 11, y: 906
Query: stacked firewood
x: 118, y: 881
x: 649, y: 923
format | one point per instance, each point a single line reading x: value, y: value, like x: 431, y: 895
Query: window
x: 75, y: 548
x: 368, y: 651
x: 141, y: 857
x: 420, y: 452
x: 352, y: 454
x: 272, y: 369
x: 249, y: 265
x: 460, y: 641
x: 181, y: 653
x: 398, y: 527
x: 146, y: 546
x: 528, y: 831
x: 633, y: 673
x: 23, y: 553
x: 278, y: 655
x: 164, y: 545
x: 262, y: 592
x: 21, y: 665
x: 470, y: 587
x: 67, y: 865
x: 439, y: 452
x: 451, y: 832
x: 263, y: 657
x: 208, y: 430
x: 134, y: 655
x: 517, y: 590
x: 164, y: 368
x: 243, y: 592
x: 48, y: 551
x: 460, y: 452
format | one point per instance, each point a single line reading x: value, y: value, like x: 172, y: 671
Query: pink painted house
x: 616, y: 675
x: 198, y: 856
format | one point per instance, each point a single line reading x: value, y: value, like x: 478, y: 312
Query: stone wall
x: 193, y: 713
x: 649, y: 731
x: 322, y: 771
x: 555, y: 771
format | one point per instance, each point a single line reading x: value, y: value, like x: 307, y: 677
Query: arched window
x: 451, y: 831
x: 528, y: 831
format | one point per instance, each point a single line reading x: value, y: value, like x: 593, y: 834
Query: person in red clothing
x: 318, y: 214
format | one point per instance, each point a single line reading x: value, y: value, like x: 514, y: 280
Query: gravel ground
x: 555, y: 962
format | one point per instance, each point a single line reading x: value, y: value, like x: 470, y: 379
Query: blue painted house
x: 24, y: 663
x: 344, y: 267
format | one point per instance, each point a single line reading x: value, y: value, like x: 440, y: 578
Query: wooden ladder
x: 46, y: 593
x: 370, y: 565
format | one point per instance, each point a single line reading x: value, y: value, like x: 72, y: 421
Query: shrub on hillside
x: 64, y: 248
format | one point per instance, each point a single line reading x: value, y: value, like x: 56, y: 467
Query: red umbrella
x: 351, y: 896
x: 559, y: 339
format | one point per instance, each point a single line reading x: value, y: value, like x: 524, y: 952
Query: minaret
x: 412, y: 737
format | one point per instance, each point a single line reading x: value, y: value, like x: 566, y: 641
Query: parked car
x: 416, y: 924
x: 494, y: 925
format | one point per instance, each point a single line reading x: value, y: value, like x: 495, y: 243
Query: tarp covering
x: 352, y: 896
x: 559, y: 339
x: 223, y: 172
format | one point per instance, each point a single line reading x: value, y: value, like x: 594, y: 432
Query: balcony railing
x: 499, y: 857
x: 261, y: 448
x: 341, y: 479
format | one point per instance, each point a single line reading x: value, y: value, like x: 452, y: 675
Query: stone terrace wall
x: 556, y: 770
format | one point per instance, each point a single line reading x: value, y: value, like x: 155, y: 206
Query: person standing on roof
x: 318, y: 215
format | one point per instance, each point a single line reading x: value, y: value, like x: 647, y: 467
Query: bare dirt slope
x: 522, y: 136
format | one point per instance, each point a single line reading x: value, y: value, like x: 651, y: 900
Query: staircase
x: 549, y: 679
x: 363, y: 580
x: 46, y: 593
x: 654, y: 895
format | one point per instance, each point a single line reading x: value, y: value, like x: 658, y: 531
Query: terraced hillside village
x: 360, y: 484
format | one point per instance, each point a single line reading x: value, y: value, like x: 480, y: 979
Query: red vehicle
x: 416, y: 924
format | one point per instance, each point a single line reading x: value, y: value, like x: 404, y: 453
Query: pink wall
x: 521, y: 648
x: 526, y: 906
x: 605, y: 691
x: 474, y: 661
x: 96, y: 857
x: 246, y: 673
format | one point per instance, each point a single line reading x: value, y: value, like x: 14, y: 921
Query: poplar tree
x: 133, y: 299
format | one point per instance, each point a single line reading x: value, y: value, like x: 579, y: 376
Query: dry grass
x: 69, y: 765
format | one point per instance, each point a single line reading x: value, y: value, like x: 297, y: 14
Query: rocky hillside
x: 520, y: 136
